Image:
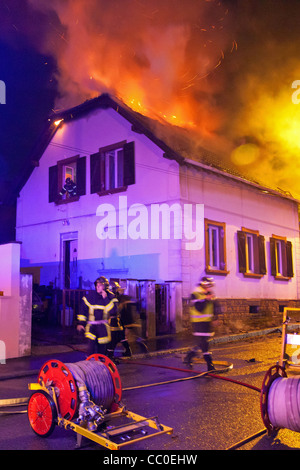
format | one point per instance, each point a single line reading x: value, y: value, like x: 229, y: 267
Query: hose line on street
x: 191, y: 371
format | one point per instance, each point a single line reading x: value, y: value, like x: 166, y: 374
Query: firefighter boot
x: 209, y: 362
x: 127, y: 352
x: 189, y: 357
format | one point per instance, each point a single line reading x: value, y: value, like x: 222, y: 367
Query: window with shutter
x: 215, y: 247
x: 113, y: 168
x: 67, y: 180
x: 251, y: 253
x: 281, y: 254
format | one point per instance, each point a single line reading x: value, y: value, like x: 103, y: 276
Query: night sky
x: 30, y: 94
x: 261, y: 44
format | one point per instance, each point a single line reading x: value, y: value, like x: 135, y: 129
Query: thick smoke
x: 222, y: 70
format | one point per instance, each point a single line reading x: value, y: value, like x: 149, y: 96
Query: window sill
x: 282, y: 278
x: 220, y: 272
x: 58, y: 202
x: 112, y: 191
x: 253, y: 275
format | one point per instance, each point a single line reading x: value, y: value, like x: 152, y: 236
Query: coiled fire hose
x: 95, y: 390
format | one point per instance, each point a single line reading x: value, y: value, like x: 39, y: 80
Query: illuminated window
x: 67, y: 180
x: 251, y: 253
x: 281, y: 257
x: 113, y: 168
x: 215, y: 247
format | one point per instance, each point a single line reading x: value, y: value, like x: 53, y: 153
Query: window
x: 251, y: 253
x: 113, y: 168
x: 215, y: 247
x: 281, y: 258
x: 67, y: 180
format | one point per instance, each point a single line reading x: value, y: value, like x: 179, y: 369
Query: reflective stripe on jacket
x: 95, y: 313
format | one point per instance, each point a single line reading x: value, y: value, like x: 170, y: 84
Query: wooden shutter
x: 95, y: 172
x: 53, y: 183
x: 273, y: 256
x: 262, y: 255
x: 289, y: 259
x: 241, y: 239
x: 81, y: 176
x: 129, y: 164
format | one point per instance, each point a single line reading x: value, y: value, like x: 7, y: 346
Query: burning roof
x: 177, y: 143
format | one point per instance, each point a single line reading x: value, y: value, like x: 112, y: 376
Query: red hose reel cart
x: 85, y: 397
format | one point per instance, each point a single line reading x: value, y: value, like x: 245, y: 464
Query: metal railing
x: 70, y: 305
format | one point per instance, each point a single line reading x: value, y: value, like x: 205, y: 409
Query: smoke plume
x: 220, y: 70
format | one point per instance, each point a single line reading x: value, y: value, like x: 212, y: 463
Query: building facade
x: 108, y: 197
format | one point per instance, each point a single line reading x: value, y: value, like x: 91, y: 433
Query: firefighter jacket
x: 95, y: 312
x: 69, y: 188
x: 201, y: 313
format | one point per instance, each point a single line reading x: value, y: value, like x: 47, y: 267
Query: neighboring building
x: 129, y: 185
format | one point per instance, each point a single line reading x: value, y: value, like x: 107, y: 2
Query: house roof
x: 156, y: 131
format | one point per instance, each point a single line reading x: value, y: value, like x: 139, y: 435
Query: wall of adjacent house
x: 15, y: 305
x: 41, y: 226
x: 239, y: 205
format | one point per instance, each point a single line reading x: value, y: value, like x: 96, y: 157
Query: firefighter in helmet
x: 117, y: 324
x: 95, y: 310
x: 69, y: 188
x: 201, y: 316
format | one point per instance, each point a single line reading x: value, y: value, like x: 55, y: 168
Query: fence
x: 70, y: 305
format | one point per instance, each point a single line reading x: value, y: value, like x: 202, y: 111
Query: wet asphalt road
x: 205, y: 413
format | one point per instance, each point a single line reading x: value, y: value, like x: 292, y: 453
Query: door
x: 69, y: 257
x: 162, y: 308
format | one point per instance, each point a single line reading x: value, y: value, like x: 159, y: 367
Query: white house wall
x: 239, y: 205
x: 40, y: 224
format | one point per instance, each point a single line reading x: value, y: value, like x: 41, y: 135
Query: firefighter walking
x: 95, y: 310
x: 201, y: 316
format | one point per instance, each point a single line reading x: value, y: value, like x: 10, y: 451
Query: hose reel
x: 83, y: 397
x: 280, y: 400
x: 86, y: 390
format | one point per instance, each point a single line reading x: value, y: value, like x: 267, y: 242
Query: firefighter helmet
x: 116, y: 288
x: 207, y: 282
x: 102, y: 280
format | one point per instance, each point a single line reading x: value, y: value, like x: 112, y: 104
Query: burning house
x: 110, y: 196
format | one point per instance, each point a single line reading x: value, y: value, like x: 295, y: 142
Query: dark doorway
x: 162, y: 309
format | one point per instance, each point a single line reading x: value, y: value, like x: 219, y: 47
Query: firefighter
x: 95, y: 310
x: 117, y: 323
x: 130, y: 318
x: 69, y: 188
x: 201, y: 317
